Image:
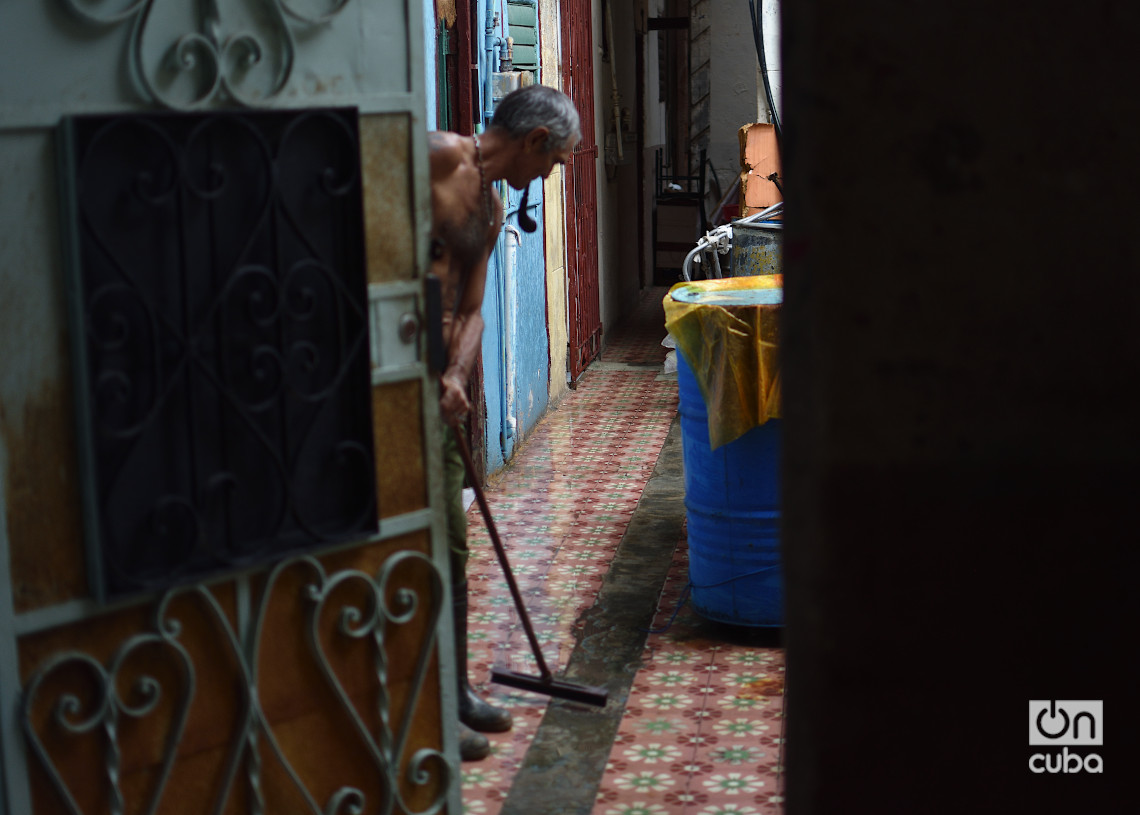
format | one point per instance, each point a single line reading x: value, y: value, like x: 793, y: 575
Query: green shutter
x: 522, y: 23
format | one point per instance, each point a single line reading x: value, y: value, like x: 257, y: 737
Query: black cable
x: 527, y: 223
x: 758, y: 37
x: 676, y: 611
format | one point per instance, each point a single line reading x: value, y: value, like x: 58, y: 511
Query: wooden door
x: 585, y: 329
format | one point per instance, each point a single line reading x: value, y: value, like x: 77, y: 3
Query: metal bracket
x: 395, y: 327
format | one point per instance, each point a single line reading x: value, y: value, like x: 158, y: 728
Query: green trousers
x: 453, y: 478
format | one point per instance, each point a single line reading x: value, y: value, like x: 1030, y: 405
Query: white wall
x: 654, y: 110
x: 550, y: 41
x: 430, y: 77
x: 618, y: 273
x: 736, y: 95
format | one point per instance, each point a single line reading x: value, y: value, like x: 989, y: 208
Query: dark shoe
x: 481, y: 716
x: 472, y: 745
x: 473, y: 711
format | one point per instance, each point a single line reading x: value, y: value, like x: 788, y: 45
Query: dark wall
x: 961, y: 359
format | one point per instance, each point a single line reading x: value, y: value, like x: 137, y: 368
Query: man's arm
x: 466, y: 336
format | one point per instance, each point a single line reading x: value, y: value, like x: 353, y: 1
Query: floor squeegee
x: 545, y: 683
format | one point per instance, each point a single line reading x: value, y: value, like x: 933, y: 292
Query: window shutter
x: 522, y: 20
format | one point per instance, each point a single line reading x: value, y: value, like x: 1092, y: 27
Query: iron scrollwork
x: 221, y: 320
x: 250, y: 66
x: 382, y: 604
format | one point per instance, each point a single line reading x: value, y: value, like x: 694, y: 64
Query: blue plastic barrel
x: 732, y: 502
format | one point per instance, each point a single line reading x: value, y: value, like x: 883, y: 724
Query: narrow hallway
x: 591, y: 513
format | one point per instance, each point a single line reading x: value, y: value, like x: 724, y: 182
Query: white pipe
x: 492, y: 44
x: 719, y: 240
x: 615, y: 97
x: 510, y: 297
x: 688, y: 264
x: 756, y: 216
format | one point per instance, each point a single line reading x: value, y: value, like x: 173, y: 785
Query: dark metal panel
x: 668, y: 23
x: 219, y: 319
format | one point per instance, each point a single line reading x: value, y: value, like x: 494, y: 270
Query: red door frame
x: 585, y: 323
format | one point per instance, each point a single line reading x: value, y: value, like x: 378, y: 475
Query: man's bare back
x: 466, y: 217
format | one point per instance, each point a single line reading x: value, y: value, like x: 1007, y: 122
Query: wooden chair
x: 679, y: 217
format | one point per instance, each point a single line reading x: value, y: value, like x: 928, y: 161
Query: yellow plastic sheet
x: 730, y: 339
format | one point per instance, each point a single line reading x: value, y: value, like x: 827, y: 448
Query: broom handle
x: 500, y: 552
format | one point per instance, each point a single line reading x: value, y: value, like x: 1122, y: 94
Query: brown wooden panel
x: 466, y: 67
x: 398, y: 440
x: 210, y: 720
x: 306, y: 712
x: 388, y: 226
x: 44, y: 524
x: 678, y: 221
x: 306, y: 717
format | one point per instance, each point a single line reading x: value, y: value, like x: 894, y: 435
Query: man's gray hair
x: 523, y: 110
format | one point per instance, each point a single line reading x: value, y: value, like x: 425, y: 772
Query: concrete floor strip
x: 564, y: 765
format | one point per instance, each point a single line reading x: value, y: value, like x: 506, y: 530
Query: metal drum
x: 757, y: 248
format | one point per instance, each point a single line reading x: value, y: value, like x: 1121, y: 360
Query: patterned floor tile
x: 703, y: 725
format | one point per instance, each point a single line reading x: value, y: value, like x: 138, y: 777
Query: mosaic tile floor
x: 701, y: 733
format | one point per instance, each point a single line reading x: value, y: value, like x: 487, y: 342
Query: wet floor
x: 591, y: 513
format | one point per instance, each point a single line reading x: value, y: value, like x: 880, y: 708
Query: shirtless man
x: 534, y: 128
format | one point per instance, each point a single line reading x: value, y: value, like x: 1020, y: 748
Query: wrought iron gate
x: 585, y: 332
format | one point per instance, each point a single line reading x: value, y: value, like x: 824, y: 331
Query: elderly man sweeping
x: 533, y: 129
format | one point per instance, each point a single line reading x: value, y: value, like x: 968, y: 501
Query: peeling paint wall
x: 516, y: 361
x: 37, y: 450
x: 37, y: 459
x: 556, y: 311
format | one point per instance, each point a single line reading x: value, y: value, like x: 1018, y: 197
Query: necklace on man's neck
x: 483, y: 181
